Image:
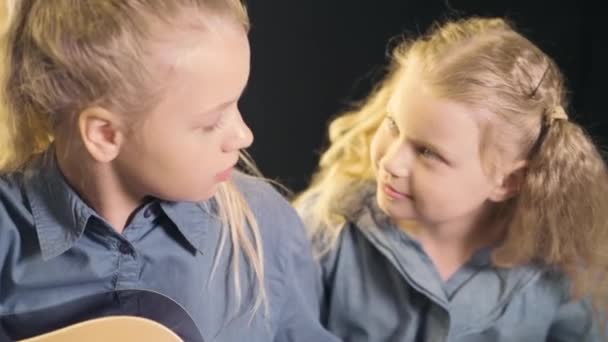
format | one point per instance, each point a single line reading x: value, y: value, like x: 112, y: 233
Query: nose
x: 241, y: 136
x: 398, y: 160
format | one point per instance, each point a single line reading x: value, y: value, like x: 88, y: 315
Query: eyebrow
x: 228, y: 103
x: 432, y: 146
x: 222, y: 105
x: 441, y: 151
x: 422, y: 142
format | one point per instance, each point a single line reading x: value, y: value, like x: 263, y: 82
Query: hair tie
x: 557, y: 113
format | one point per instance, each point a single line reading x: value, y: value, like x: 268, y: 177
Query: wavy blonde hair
x: 61, y: 57
x: 559, y: 217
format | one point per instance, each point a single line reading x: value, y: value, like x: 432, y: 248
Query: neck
x: 99, y: 186
x: 451, y: 244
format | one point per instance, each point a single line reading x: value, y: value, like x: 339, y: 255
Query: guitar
x: 112, y: 328
x: 125, y: 315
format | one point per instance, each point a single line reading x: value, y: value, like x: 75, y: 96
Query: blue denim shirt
x: 378, y: 284
x: 55, y: 249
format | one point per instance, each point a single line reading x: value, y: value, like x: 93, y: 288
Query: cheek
x: 476, y: 180
x: 454, y: 193
x: 179, y: 157
x: 154, y: 138
x: 435, y: 190
x: 428, y: 187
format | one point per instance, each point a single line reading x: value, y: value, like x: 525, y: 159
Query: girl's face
x: 427, y: 159
x: 190, y: 142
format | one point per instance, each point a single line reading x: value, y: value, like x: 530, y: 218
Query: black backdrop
x: 310, y: 58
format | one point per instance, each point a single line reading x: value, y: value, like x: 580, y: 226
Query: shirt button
x: 148, y: 212
x: 124, y: 248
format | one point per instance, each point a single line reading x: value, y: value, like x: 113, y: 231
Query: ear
x: 101, y: 133
x: 509, y: 183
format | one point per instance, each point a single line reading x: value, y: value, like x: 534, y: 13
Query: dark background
x: 310, y: 59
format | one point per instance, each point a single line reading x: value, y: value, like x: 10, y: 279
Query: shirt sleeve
x: 321, y: 262
x: 576, y: 321
x: 299, y: 317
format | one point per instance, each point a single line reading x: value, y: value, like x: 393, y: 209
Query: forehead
x: 423, y: 116
x: 216, y: 39
x: 204, y: 66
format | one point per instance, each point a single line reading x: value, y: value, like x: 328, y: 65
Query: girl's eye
x: 217, y: 125
x: 391, y: 124
x: 429, y: 154
x: 426, y: 152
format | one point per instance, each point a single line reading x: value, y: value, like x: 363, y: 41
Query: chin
x: 395, y: 210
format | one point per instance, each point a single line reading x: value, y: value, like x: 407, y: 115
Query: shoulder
x: 575, y: 317
x: 15, y: 214
x: 13, y: 201
x: 11, y: 187
x: 287, y: 249
x: 280, y: 227
x: 268, y: 205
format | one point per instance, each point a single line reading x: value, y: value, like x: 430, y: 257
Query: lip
x: 224, y: 175
x: 394, y: 194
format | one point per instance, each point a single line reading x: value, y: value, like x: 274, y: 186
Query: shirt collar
x: 407, y: 255
x: 199, y: 223
x: 61, y: 216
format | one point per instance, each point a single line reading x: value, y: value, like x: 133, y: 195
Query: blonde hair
x: 559, y: 217
x: 64, y: 56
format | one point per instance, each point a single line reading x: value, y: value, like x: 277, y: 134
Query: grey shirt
x: 378, y: 284
x: 55, y: 249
